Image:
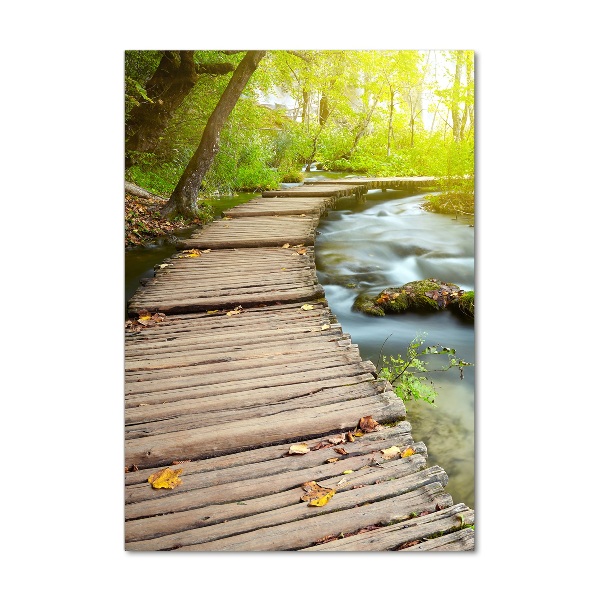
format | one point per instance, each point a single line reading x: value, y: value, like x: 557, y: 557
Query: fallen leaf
x: 347, y: 472
x: 315, y: 494
x: 307, y: 307
x: 192, y: 253
x: 357, y: 433
x: 337, y: 439
x: 408, y: 452
x: 332, y: 460
x: 391, y: 452
x: 323, y: 500
x: 368, y: 424
x: 321, y: 444
x: 301, y: 448
x: 301, y: 251
x: 349, y: 436
x: 341, y: 482
x: 206, y: 251
x: 341, y: 450
x: 212, y: 312
x: 158, y: 317
x: 285, y: 246
x: 167, y: 478
x: 236, y: 311
x: 324, y: 327
x: 163, y: 265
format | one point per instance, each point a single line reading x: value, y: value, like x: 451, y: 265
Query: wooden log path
x: 247, y: 361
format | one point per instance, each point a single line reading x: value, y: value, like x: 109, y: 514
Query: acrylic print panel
x: 299, y: 305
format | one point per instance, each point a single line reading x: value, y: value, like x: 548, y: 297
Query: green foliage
x: 405, y: 374
x: 374, y: 124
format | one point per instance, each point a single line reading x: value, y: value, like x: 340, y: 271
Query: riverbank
x: 144, y: 224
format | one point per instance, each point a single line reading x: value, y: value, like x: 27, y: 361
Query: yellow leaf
x: 332, y: 460
x: 307, y: 307
x: 301, y: 251
x: 301, y: 448
x: 144, y: 319
x: 212, y: 312
x: 285, y: 246
x: 315, y: 494
x: 391, y: 452
x: 347, y: 472
x: 358, y: 434
x: 324, y: 327
x: 167, y: 478
x: 323, y: 500
x: 408, y: 452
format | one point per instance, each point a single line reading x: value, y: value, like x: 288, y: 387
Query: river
x: 387, y: 239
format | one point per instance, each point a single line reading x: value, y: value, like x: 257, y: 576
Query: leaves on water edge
x: 193, y: 253
x: 236, y: 311
x: 368, y: 424
x: 307, y: 307
x: 301, y: 448
x: 145, y: 319
x: 167, y: 478
x: 315, y: 494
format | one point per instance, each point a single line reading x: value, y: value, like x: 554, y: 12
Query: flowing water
x: 385, y: 240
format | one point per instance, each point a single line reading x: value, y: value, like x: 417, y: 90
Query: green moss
x: 464, y: 305
x: 365, y: 304
x: 427, y: 295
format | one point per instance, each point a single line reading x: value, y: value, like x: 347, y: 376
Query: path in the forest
x: 247, y: 362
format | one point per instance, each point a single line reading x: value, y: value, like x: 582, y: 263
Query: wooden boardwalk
x: 247, y: 361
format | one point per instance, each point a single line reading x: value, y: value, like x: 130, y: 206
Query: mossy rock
x: 427, y: 295
x: 464, y: 305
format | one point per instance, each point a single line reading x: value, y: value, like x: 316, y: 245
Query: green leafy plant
x: 408, y: 375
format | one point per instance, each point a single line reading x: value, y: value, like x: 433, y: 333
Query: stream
x: 387, y: 239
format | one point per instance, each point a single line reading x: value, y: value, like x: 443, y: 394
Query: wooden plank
x: 290, y: 536
x: 316, y: 190
x: 458, y: 541
x: 254, y: 232
x: 163, y: 449
x: 283, y: 472
x: 394, y: 536
x: 224, y: 413
x: 380, y: 487
x: 201, y: 291
x: 272, y: 482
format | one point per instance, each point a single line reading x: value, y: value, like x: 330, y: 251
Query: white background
x: 62, y: 282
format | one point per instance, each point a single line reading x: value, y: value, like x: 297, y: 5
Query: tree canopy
x: 380, y: 113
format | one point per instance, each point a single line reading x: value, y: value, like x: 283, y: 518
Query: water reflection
x: 388, y: 240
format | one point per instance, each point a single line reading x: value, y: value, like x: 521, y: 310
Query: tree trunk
x: 184, y: 199
x: 172, y: 81
x: 456, y: 96
x: 389, y: 136
x: 323, y: 110
x: 305, y: 103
